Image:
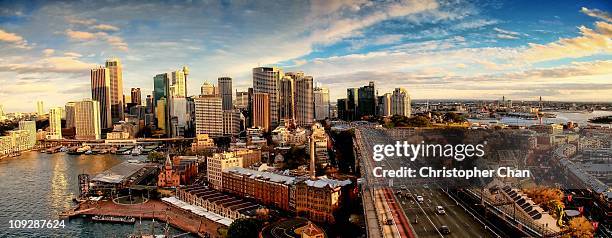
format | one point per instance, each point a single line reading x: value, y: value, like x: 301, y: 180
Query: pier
x: 152, y: 209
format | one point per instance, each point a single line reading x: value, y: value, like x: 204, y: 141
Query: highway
x: 423, y: 220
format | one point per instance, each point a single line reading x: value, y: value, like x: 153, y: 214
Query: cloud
x: 13, y: 38
x: 61, y: 64
x: 597, y: 14
x: 105, y: 27
x: 473, y: 24
x: 590, y: 42
x: 115, y: 41
x: 78, y: 21
x: 506, y: 32
x: 72, y: 54
x: 48, y: 52
x: 507, y: 37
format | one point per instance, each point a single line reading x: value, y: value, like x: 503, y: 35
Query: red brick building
x: 179, y: 170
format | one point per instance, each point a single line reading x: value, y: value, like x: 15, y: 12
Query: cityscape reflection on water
x: 40, y: 186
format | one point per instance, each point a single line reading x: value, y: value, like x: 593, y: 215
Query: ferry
x: 127, y: 220
x: 136, y: 151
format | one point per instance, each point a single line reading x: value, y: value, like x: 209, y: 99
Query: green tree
x: 155, y: 156
x: 244, y: 228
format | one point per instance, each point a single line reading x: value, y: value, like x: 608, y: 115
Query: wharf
x: 152, y: 209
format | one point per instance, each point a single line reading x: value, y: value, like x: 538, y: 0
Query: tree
x: 580, y: 227
x: 155, y: 156
x: 244, y: 228
x: 547, y: 197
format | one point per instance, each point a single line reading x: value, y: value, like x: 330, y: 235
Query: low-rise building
x: 265, y: 187
x: 216, y: 164
x: 318, y: 199
x: 177, y: 171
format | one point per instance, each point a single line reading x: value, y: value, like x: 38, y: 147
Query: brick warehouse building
x: 267, y: 188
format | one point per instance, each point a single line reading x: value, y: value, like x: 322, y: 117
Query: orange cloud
x: 13, y: 38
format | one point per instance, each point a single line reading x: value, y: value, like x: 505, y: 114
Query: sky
x: 455, y: 49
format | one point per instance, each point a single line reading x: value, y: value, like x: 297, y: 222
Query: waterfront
x: 40, y: 186
x: 562, y: 117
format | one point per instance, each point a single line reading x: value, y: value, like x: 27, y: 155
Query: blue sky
x: 560, y: 50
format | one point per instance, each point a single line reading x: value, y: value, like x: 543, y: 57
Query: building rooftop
x: 119, y: 173
x: 277, y: 178
x: 325, y: 181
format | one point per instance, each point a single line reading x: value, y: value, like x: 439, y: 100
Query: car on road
x: 444, y: 230
x: 419, y: 199
x: 440, y: 210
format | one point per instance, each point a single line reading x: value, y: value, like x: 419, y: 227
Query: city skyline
x: 435, y: 50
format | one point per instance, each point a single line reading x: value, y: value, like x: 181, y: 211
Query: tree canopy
x: 244, y: 228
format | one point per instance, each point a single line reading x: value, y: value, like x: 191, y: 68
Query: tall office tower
x: 149, y: 103
x: 30, y: 128
x: 160, y: 114
x: 321, y: 103
x: 304, y: 101
x: 69, y: 108
x: 261, y: 111
x: 209, y: 115
x: 231, y: 122
x: 225, y: 90
x: 341, y: 106
x: 367, y: 100
x: 242, y: 100
x: 136, y: 97
x: 249, y: 111
x: 179, y: 84
x: 400, y: 102
x: 87, y: 120
x: 161, y: 97
x: 40, y: 108
x: 207, y: 89
x: 384, y: 105
x: 116, y: 89
x: 265, y: 80
x: 352, y: 104
x: 186, y: 73
x: 55, y: 123
x: 286, y: 98
x: 101, y: 92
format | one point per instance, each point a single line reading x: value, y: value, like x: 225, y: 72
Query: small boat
x: 137, y: 151
x: 127, y: 220
x: 89, y: 152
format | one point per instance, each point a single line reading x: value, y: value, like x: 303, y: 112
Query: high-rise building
x: 209, y: 115
x: 352, y: 104
x: 101, y: 92
x: 265, y: 80
x: 55, y: 123
x: 384, y: 105
x: 321, y: 103
x: 286, y: 98
x: 149, y: 103
x: 261, y: 111
x: 367, y: 100
x: 208, y: 89
x: 242, y: 100
x: 231, y: 122
x: 136, y: 97
x: 160, y: 114
x: 341, y: 106
x: 2, y: 118
x: 304, y: 101
x: 87, y: 120
x: 400, y: 102
x: 178, y: 84
x: 115, y: 71
x: 69, y: 108
x: 225, y: 90
x: 40, y: 108
x: 30, y: 128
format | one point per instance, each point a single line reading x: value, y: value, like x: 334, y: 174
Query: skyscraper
x: 161, y: 92
x: 116, y: 89
x: 352, y: 104
x: 242, y: 100
x: 209, y: 115
x: 208, y: 89
x: 304, y: 101
x: 1, y: 113
x: 87, y: 120
x: 286, y: 98
x: 367, y: 100
x: 261, y: 111
x: 30, y: 128
x: 70, y: 114
x: 231, y: 122
x: 101, y: 92
x: 136, y: 97
x: 55, y: 123
x: 265, y: 80
x: 225, y: 90
x: 40, y: 109
x: 384, y: 105
x: 178, y: 84
x: 400, y: 102
x: 321, y: 103
x: 341, y: 106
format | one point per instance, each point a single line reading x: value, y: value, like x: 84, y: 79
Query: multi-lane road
x: 420, y: 219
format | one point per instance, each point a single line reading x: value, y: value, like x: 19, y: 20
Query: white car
x: 420, y: 199
x: 440, y: 210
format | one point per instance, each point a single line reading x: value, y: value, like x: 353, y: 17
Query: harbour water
x: 581, y: 118
x: 40, y: 186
